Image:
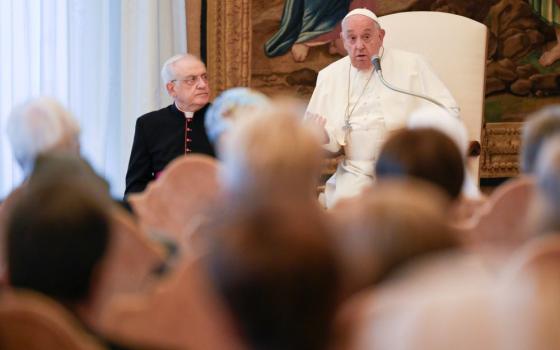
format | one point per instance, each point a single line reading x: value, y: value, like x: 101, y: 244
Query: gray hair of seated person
x: 439, y: 119
x: 539, y: 127
x: 547, y: 173
x: 272, y: 151
x: 229, y: 107
x: 40, y: 125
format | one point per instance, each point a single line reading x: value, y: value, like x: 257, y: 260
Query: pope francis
x: 357, y: 110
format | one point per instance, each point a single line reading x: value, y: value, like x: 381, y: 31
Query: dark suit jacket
x: 158, y: 139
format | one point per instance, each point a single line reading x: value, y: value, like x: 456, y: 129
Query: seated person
x: 57, y: 234
x: 385, y: 226
x: 276, y: 271
x: 425, y: 154
x: 357, y: 110
x: 228, y: 109
x: 34, y: 127
x: 272, y: 151
x: 163, y: 135
x: 438, y: 119
x: 41, y: 125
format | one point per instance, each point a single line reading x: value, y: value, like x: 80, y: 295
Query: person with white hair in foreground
x: 272, y: 151
x: 228, y: 109
x: 40, y: 125
x: 357, y: 110
x: 441, y: 120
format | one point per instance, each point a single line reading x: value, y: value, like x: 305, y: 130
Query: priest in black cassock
x: 175, y: 130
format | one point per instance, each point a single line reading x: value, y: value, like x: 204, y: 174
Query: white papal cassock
x: 373, y: 110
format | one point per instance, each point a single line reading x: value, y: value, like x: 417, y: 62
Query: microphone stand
x: 376, y: 62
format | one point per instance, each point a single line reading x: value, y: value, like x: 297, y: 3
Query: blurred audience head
x: 275, y: 269
x: 40, y: 125
x: 272, y: 152
x: 439, y: 119
x: 528, y: 296
x: 229, y: 107
x: 539, y: 127
x: 57, y: 230
x: 425, y: 154
x: 547, y: 172
x: 387, y: 227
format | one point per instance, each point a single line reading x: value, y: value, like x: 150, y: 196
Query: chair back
x: 172, y: 203
x: 184, y: 312
x: 455, y: 46
x: 530, y: 295
x: 503, y: 219
x: 31, y: 321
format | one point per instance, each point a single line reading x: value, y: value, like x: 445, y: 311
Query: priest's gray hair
x: 168, y: 71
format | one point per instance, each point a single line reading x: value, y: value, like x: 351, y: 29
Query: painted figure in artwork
x: 549, y: 10
x: 309, y: 23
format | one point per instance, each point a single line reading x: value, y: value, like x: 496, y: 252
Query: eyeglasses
x: 193, y: 79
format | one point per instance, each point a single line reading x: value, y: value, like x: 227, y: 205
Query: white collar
x: 188, y: 115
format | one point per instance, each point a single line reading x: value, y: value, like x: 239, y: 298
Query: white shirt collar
x: 188, y: 115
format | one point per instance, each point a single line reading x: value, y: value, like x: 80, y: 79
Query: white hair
x: 441, y: 120
x: 454, y: 128
x: 37, y: 126
x: 229, y: 107
x: 168, y: 71
x: 271, y: 149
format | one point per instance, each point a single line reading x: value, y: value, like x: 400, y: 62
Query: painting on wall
x: 287, y: 42
x: 294, y: 39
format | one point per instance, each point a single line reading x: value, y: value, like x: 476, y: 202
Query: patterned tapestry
x: 293, y: 39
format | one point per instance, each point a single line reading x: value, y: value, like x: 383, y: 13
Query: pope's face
x: 190, y: 88
x: 362, y: 38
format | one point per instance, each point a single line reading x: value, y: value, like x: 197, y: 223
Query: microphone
x: 376, y: 62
